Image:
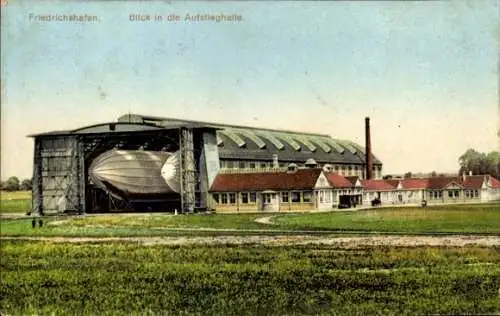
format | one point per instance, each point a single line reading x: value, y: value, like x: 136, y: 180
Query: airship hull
x: 138, y: 173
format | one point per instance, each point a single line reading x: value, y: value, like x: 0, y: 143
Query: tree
x: 26, y: 184
x: 433, y: 174
x: 493, y: 161
x: 407, y: 175
x: 12, y: 184
x: 480, y: 163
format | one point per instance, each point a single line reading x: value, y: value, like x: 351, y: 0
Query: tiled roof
x: 352, y: 179
x: 302, y: 179
x: 376, y: 185
x: 305, y: 179
x: 495, y: 183
x: 442, y: 182
x: 338, y: 181
x: 393, y: 182
x: 473, y: 182
x: 414, y: 183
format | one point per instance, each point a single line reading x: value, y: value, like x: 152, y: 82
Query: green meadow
x: 46, y: 278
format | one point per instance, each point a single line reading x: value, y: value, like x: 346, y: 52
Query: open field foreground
x: 480, y: 218
x: 279, y: 240
x: 456, y: 219
x: 127, y: 278
x: 15, y: 202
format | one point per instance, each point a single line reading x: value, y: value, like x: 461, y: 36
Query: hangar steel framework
x: 61, y: 165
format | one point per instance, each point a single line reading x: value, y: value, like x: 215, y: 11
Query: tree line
x: 13, y: 184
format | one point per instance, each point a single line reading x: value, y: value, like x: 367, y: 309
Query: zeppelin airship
x: 128, y: 174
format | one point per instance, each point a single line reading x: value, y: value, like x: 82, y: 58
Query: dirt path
x: 265, y: 220
x: 343, y: 242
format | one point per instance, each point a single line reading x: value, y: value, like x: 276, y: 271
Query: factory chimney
x: 368, y: 149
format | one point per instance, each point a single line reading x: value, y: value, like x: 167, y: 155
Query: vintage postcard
x: 250, y: 157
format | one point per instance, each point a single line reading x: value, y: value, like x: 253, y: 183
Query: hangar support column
x: 37, y: 201
x: 188, y: 169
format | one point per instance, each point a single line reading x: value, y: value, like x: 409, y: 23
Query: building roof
x: 438, y: 183
x: 352, y: 179
x: 116, y: 127
x: 473, y: 182
x: 494, y: 183
x: 338, y: 181
x: 243, y: 142
x: 305, y: 179
x: 377, y: 185
x: 302, y: 179
x: 414, y: 183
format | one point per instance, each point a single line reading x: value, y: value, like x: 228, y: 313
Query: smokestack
x: 368, y: 149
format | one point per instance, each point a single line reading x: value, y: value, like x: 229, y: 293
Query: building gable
x: 399, y: 186
x: 358, y: 183
x: 322, y: 182
x: 453, y: 185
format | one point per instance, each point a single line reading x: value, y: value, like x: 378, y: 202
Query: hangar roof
x: 242, y: 142
x: 116, y: 127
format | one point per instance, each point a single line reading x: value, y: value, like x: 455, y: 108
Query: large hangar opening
x: 122, y: 167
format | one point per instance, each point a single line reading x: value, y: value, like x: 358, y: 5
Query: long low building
x: 296, y: 189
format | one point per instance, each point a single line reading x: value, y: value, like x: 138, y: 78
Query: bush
x: 12, y: 184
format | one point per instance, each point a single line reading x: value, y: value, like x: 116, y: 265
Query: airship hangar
x: 146, y: 163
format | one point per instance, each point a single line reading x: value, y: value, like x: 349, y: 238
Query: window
x: 263, y: 165
x: 244, y: 198
x: 241, y: 165
x: 295, y: 197
x: 322, y: 196
x: 476, y: 193
x: 306, y: 196
x: 216, y: 198
x: 450, y: 194
x: 456, y: 193
x: 328, y: 196
x: 252, y: 165
x: 284, y: 197
x: 229, y: 164
x: 267, y: 198
x: 223, y: 198
x: 253, y: 197
x: 232, y: 198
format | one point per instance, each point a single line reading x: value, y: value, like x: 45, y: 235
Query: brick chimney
x: 368, y: 150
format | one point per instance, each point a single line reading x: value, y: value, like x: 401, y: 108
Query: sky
x: 426, y: 73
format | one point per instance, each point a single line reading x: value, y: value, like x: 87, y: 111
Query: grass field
x: 15, y: 202
x: 125, y: 278
x: 479, y: 218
